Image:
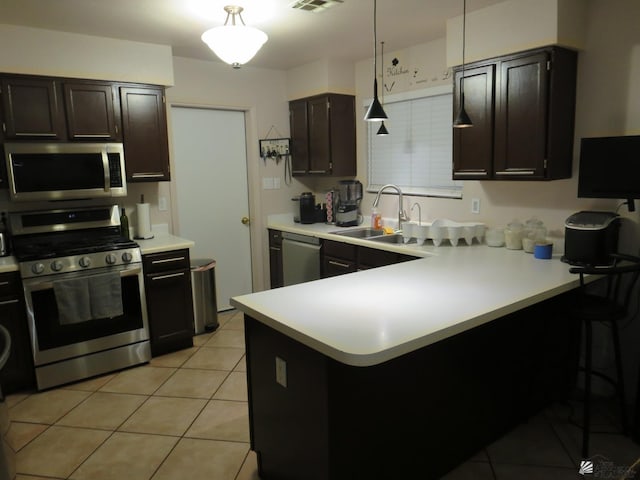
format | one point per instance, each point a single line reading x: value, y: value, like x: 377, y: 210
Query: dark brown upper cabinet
x: 32, y: 109
x: 323, y: 135
x: 54, y: 109
x: 473, y: 147
x: 522, y: 106
x: 91, y: 111
x: 144, y: 124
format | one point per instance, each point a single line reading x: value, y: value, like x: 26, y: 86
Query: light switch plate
x: 281, y: 372
x: 475, y: 205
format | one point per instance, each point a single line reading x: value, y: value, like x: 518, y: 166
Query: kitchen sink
x: 395, y: 238
x: 359, y: 233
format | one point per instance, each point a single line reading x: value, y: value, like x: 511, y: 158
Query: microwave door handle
x: 107, y: 170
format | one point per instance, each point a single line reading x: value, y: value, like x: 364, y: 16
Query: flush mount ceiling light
x: 234, y: 44
x: 315, y: 6
x: 462, y: 120
x: 375, y: 113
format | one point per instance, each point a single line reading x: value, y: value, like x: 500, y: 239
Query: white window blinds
x: 417, y: 155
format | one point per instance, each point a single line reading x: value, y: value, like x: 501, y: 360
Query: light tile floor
x: 184, y: 415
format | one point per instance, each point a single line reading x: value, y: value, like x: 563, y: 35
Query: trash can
x: 203, y: 287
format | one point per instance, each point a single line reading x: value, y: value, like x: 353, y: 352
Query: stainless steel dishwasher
x: 300, y: 258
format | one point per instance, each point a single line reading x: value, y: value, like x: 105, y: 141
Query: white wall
x: 262, y: 94
x: 516, y: 25
x: 45, y: 52
x: 319, y: 77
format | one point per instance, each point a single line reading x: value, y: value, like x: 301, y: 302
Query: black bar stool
x: 609, y: 308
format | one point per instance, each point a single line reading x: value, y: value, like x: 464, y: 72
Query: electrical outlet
x: 162, y: 204
x: 475, y: 205
x: 267, y: 183
x: 281, y: 372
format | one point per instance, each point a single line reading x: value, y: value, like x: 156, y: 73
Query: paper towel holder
x: 143, y: 221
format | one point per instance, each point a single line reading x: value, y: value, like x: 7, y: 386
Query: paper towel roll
x: 143, y: 221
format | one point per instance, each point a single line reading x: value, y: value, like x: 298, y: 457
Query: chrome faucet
x: 402, y: 215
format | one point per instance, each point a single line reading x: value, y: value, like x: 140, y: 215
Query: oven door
x: 52, y: 340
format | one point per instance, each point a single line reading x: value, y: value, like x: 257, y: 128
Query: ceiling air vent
x: 315, y: 5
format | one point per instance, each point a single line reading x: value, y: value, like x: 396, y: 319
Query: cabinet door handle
x: 275, y: 249
x: 317, y: 171
x: 148, y: 175
x: 471, y: 172
x: 516, y: 172
x: 298, y: 172
x: 166, y: 260
x: 18, y: 134
x: 9, y: 302
x: 339, y: 264
x: 4, y: 284
x: 170, y: 275
x: 94, y: 135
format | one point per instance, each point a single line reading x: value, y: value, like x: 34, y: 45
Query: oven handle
x: 35, y: 285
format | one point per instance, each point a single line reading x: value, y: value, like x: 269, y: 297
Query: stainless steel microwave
x: 65, y: 171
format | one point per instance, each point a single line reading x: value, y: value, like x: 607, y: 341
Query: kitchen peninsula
x: 403, y: 371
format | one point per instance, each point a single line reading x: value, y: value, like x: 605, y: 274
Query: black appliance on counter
x: 307, y: 210
x: 348, y: 212
x: 590, y: 238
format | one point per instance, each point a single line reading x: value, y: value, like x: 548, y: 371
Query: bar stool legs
x: 588, y: 372
x: 586, y: 414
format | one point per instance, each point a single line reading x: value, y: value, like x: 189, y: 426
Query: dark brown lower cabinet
x: 18, y: 372
x: 415, y: 416
x: 167, y: 281
x: 339, y: 258
x: 276, y: 274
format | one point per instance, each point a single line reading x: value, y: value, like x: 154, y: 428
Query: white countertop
x: 372, y: 316
x: 160, y: 243
x: 163, y: 243
x: 8, y: 264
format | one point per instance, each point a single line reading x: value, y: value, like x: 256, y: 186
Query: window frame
x: 454, y: 188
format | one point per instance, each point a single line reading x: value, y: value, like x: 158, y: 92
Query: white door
x: 210, y: 172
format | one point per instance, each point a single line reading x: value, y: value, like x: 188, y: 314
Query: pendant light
x: 382, y: 131
x: 375, y: 113
x: 462, y: 120
x: 234, y: 44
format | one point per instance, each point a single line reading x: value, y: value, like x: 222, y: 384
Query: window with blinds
x: 417, y: 155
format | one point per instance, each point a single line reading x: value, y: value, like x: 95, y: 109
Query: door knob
x: 245, y: 220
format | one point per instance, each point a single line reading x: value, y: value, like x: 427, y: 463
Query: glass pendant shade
x: 382, y: 131
x: 234, y: 44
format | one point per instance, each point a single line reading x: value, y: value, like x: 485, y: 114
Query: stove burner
x: 60, y: 242
x: 51, y: 247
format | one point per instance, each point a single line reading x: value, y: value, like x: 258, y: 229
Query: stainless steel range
x: 84, y: 292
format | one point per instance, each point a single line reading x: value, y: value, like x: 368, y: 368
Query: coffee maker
x: 350, y: 195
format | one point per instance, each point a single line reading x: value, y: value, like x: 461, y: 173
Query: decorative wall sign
x: 275, y: 148
x: 401, y: 75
